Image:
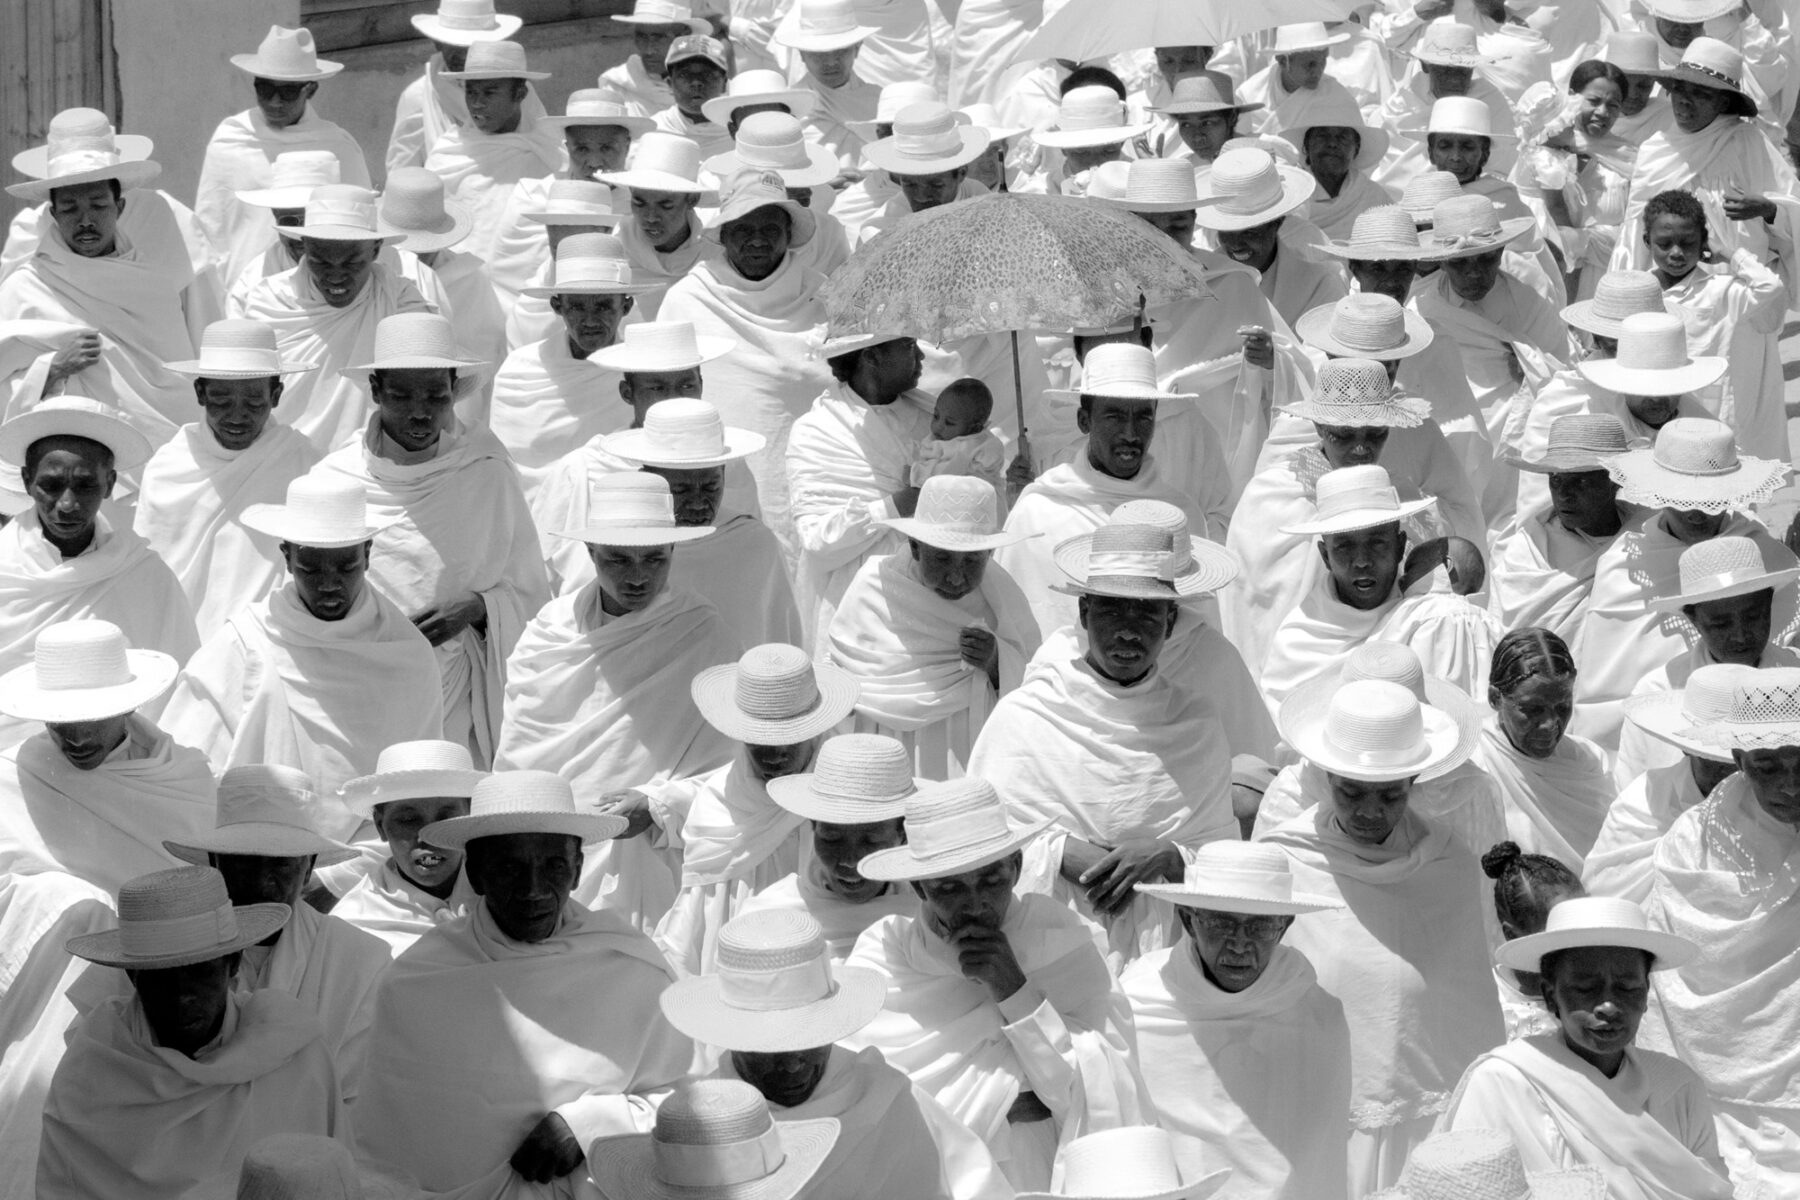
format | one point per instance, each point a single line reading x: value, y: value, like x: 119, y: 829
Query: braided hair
x: 1525, y: 653
x: 1526, y: 886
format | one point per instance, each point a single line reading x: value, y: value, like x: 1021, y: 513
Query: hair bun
x: 1500, y: 857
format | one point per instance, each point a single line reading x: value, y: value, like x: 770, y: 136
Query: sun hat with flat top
x: 414, y: 206
x: 1135, y: 1162
x: 576, y: 202
x: 1596, y: 921
x: 891, y: 101
x: 1366, y: 325
x: 1618, y: 295
x: 1465, y: 115
x: 81, y: 147
x: 1720, y: 568
x: 1484, y: 1164
x: 857, y: 779
x: 82, y: 670
x: 263, y: 810
x: 773, y: 988
x: 292, y: 177
x: 714, y: 1140
x: 682, y: 433
x: 591, y: 264
x: 658, y: 346
x: 1352, y: 498
x: 1384, y: 233
x: 775, y: 695
x: 1120, y: 371
x: 1240, y: 877
x: 956, y: 512
x: 1249, y: 188
x: 74, y: 416
x: 1653, y: 360
x: 415, y: 341
x: 495, y: 60
x: 632, y: 508
x: 1465, y: 226
x: 1357, y: 392
x: 465, y: 22
x: 1087, y: 117
x: 928, y: 139
x: 750, y: 190
x: 510, y: 802
x: 660, y: 162
x: 287, y: 56
x: 1372, y: 730
x: 755, y: 87
x: 1306, y: 35
x: 321, y: 511
x: 1142, y: 562
x: 951, y: 827
x: 1709, y: 63
x: 1394, y: 662
x: 1156, y: 185
x: 1577, y: 442
x: 1694, y: 465
x: 1706, y: 700
x: 1447, y: 42
x: 597, y: 107
x: 664, y: 12
x: 175, y: 918
x: 1202, y: 92
x: 238, y: 349
x: 342, y: 212
x: 1764, y: 713
x: 772, y: 141
x: 1334, y: 108
x: 420, y: 770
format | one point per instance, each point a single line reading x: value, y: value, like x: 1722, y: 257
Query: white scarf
x: 547, y: 403
x: 1542, y: 574
x: 1554, y: 805
x: 386, y: 904
x: 1734, y: 310
x: 1620, y: 864
x: 808, y: 890
x: 650, y: 265
x: 480, y: 169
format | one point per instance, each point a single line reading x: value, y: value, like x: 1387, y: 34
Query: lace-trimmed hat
x: 1764, y: 714
x: 1357, y: 392
x: 956, y: 512
x: 1672, y: 717
x: 1695, y: 465
x: 1484, y: 1164
x: 1721, y: 568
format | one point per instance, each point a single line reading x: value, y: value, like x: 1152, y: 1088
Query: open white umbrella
x: 1088, y: 29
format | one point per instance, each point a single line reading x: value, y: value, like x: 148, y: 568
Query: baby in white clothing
x: 961, y: 442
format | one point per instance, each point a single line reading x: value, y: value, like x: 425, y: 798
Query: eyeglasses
x: 1223, y: 926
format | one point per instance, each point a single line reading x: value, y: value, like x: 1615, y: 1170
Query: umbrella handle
x: 1018, y: 384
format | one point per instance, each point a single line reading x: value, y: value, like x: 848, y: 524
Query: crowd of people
x: 504, y: 693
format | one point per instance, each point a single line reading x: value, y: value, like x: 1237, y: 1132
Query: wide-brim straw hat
x: 342, y: 213
x: 683, y: 433
x: 951, y: 827
x: 418, y: 770
x: 1122, y: 371
x: 772, y: 141
x: 632, y: 508
x: 1142, y: 562
x: 775, y: 695
x: 1356, y: 393
x: 1577, y: 442
x: 1463, y: 1164
x: 1444, y: 43
x: 758, y: 87
x: 1151, y: 185
x: 1372, y: 730
x: 1396, y: 663
x: 1248, y: 188
x: 495, y: 60
x: 1764, y: 714
x: 958, y: 513
x: 664, y: 12
x: 1673, y: 716
x: 596, y: 106
x: 511, y: 802
x: 1468, y: 225
x: 466, y: 22
x: 1710, y: 63
x: 320, y: 511
x: 591, y: 263
x: 1632, y: 378
x: 857, y: 779
x: 420, y: 341
x: 82, y: 670
x: 81, y: 147
x: 1088, y: 117
x: 1720, y: 568
x: 1383, y: 233
x: 1694, y: 465
x: 1135, y: 1162
x: 238, y: 349
x: 1596, y: 921
x: 1241, y: 877
x: 583, y: 202
x: 175, y: 918
x: 661, y: 346
x: 263, y: 811
x: 928, y: 138
x: 414, y: 206
x: 1366, y: 325
x: 287, y: 56
x: 1424, y: 192
x: 1203, y: 92
x: 1618, y: 295
x: 1352, y: 498
x: 75, y: 416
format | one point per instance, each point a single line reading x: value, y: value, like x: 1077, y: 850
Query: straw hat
x: 773, y: 988
x: 1653, y: 360
x: 1764, y: 713
x: 1577, y: 442
x: 1447, y: 42
x: 1203, y: 92
x: 775, y: 695
x: 82, y: 670
x: 1149, y: 185
x: 238, y: 349
x: 1397, y: 663
x: 1306, y: 35
x: 1142, y: 562
x: 1352, y: 498
x: 1240, y: 877
x: 322, y: 511
x: 1335, y: 108
x: 1249, y: 188
x: 714, y: 1140
x: 822, y: 25
x: 1371, y: 730
x: 1121, y: 371
x: 287, y: 56
x: 591, y: 264
x: 1596, y: 921
x: 1468, y: 225
x: 419, y: 770
x: 1618, y: 295
x: 772, y: 141
x: 748, y: 88
x: 986, y: 118
x: 696, y: 45
x: 1693, y: 465
x: 1465, y: 115
x: 301, y: 1166
x: 1107, y: 183
x: 682, y: 433
x: 1425, y: 191
x: 1709, y: 63
x: 1633, y: 51
x: 956, y: 512
x: 81, y: 147
x: 75, y: 416
x: 576, y: 202
x: 857, y: 779
x: 1484, y: 1164
x: 292, y: 177
x: 415, y: 341
x: 632, y: 508
x: 466, y: 22
x: 495, y: 60
x: 342, y: 212
x: 413, y: 206
x: 175, y: 918
x: 664, y: 12
x: 1369, y: 326
x: 1720, y: 568
x: 750, y: 190
x: 891, y: 101
x: 928, y: 139
x: 951, y: 828
x: 262, y: 811
x: 1672, y: 717
x: 1356, y: 392
x: 661, y: 346
x: 1384, y: 233
x: 1134, y: 1162
x: 596, y: 107
x: 660, y: 162
x: 508, y: 802
x: 1087, y: 117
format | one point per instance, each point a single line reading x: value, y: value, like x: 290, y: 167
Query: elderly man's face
x: 785, y: 1079
x: 642, y: 389
x: 1472, y: 278
x: 1368, y: 811
x: 283, y: 102
x: 1364, y: 563
x: 237, y: 410
x: 1638, y: 90
x: 264, y: 879
x: 1352, y: 445
x: 631, y: 576
x: 1255, y: 246
x: 1172, y: 62
x: 398, y: 822
x: 780, y: 761
x: 87, y: 216
x: 1179, y: 225
x: 840, y: 847
x: 524, y: 879
x: 85, y: 744
x: 67, y: 479
x: 1302, y: 70
x: 595, y: 148
x: 494, y: 104
x: 1119, y: 433
x: 591, y: 322
x: 185, y: 1006
x: 1390, y: 277
x: 952, y: 574
x: 340, y: 270
x: 1235, y: 948
x: 651, y: 42
x: 1598, y: 994
x: 1775, y: 777
x: 1736, y: 629
x: 757, y: 242
x: 924, y: 192
x: 696, y: 491
x: 1125, y: 636
x: 1690, y: 525
x: 1331, y: 150
x: 1206, y: 133
x: 1461, y: 154
x: 329, y: 580
x: 1585, y: 501
x: 1449, y: 81
x: 891, y: 368
x: 662, y: 217
x: 831, y: 69
x: 415, y: 405
x: 694, y: 82
x: 981, y: 897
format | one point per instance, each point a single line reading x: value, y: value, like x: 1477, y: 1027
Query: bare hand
x: 906, y: 500
x: 1259, y: 347
x: 1078, y: 858
x: 78, y: 355
x: 987, y: 957
x: 981, y: 649
x: 1110, y: 883
x: 1749, y: 208
x: 444, y: 621
x: 548, y: 1152
x: 631, y: 804
x: 1019, y: 472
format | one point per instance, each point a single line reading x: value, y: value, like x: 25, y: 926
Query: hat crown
x: 959, y: 504
x: 298, y: 1166
x: 772, y: 139
x: 1203, y: 87
x: 495, y: 57
x: 591, y: 258
x: 1119, y: 369
x: 632, y: 499
x: 863, y: 766
x: 1246, y: 182
x: 80, y: 654
x: 329, y: 505
x: 1367, y: 323
x: 175, y: 911
x: 1158, y: 514
x: 897, y: 97
x: 1596, y: 433
x: 1707, y: 698
x: 413, y: 198
x: 599, y: 103
x: 237, y: 346
x: 684, y: 427
x: 665, y: 153
x: 265, y: 794
x: 1160, y: 180
x: 1091, y: 107
x: 1632, y: 51
x: 564, y: 192
x: 1448, y: 36
x: 1250, y: 869
x: 669, y: 343
x: 1133, y: 1160
x: 1465, y: 219
x: 521, y: 792
x: 1386, y: 662
x: 1621, y: 294
x: 1353, y: 382
x: 1466, y: 1163
x: 944, y: 818
x: 727, y: 1117
x: 663, y: 10
x: 415, y: 335
x: 1426, y: 190
x: 1460, y: 114
x: 473, y: 16
x: 78, y: 138
x: 426, y: 754
x: 756, y: 82
x: 1596, y: 912
x: 1653, y: 341
x: 1717, y: 59
x: 1110, y: 181
x: 775, y: 681
x: 1384, y: 227
x: 1718, y: 562
x: 343, y: 204
x: 1117, y: 551
x: 1374, y: 723
x: 1303, y: 35
x: 288, y: 50
x: 1348, y: 489
x: 1696, y: 446
x: 928, y: 130
x: 1770, y: 696
x: 773, y: 960
x: 306, y: 168
x: 815, y: 17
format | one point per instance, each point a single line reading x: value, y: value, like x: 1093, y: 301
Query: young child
x: 961, y: 442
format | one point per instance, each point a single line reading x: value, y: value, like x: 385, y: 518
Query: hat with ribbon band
x: 175, y: 918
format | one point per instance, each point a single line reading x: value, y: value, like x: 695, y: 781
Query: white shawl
x: 1621, y: 862
x: 1541, y: 573
x: 385, y: 904
x: 1736, y: 312
x: 480, y: 170
x: 650, y: 265
x: 548, y: 403
x: 431, y: 106
x: 807, y: 890
x: 1554, y: 805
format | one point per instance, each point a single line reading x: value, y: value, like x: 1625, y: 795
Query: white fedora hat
x: 322, y: 511
x: 1462, y: 1164
x: 1371, y: 730
x: 1134, y: 1162
x: 772, y: 141
x: 714, y: 1140
x: 495, y: 60
x: 238, y: 349
x: 660, y: 162
x: 928, y: 138
x: 82, y: 670
x: 822, y: 25
x: 755, y: 87
x: 663, y: 12
x: 1577, y: 442
x: 1393, y: 662
x: 1693, y: 465
x: 1618, y: 295
x: 175, y: 918
x: 1764, y: 715
x: 1467, y: 225
x: 1424, y: 192
x: 75, y: 416
x: 263, y: 810
x: 773, y: 988
x: 1357, y: 392
x: 508, y: 802
x: 81, y: 147
x: 956, y: 512
x: 414, y: 206
x: 597, y: 107
x: 466, y: 22
x: 1088, y: 117
x: 657, y: 346
x: 1121, y: 371
x: 951, y: 828
x: 418, y: 770
x: 1596, y: 921
x: 632, y: 508
x: 891, y: 101
x: 1366, y: 325
x: 1465, y: 115
x: 857, y: 779
x: 81, y: 122
x: 1351, y: 498
x: 1672, y: 717
x: 1633, y: 51
x: 1249, y: 188
x: 1306, y: 35
x: 1384, y: 233
x: 591, y: 264
x: 292, y: 177
x: 576, y: 202
x: 1335, y: 108
x: 287, y: 56
x: 1240, y: 877
x: 774, y: 695
x: 1653, y: 360
x: 1720, y: 568
x: 1202, y: 92
x: 1142, y: 562
x: 683, y: 433
x: 342, y: 212
x: 415, y: 341
x: 1447, y: 42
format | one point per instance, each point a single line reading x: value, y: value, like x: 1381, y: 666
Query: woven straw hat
x: 1371, y: 730
x: 632, y: 508
x: 1249, y: 188
x: 682, y: 433
x: 775, y: 695
x: 82, y: 670
x: 418, y: 770
x: 495, y: 60
x: 1484, y: 1164
x: 956, y: 512
x: 1351, y: 498
x: 1578, y: 442
x: 773, y: 988
x: 1709, y: 63
x: 1764, y: 714
x: 1157, y: 185
x: 596, y: 107
x: 1467, y: 225
x: 466, y: 22
x: 175, y: 918
x: 1142, y: 562
x: 1447, y: 42
x: 928, y: 138
x: 1720, y: 568
x: 342, y: 212
x: 413, y: 205
x: 238, y: 349
x: 1134, y: 1162
x: 576, y: 202
x: 1335, y: 108
x: 509, y: 802
x: 264, y: 810
x: 1108, y: 181
x: 302, y: 1166
x: 660, y: 162
x: 1633, y: 51
x: 81, y: 147
x: 1393, y: 662
x: 75, y: 416
x: 1121, y: 371
x: 951, y: 828
x: 1424, y: 192
x: 1240, y: 877
x: 661, y: 346
x: 857, y: 779
x: 1693, y: 465
x: 1384, y: 233
x: 714, y: 1140
x: 1653, y: 360
x: 1596, y: 921
x: 415, y: 341
x: 664, y: 12
x: 772, y: 141
x: 822, y: 25
x: 1366, y: 325
x: 1088, y: 117
x: 287, y: 56
x: 1465, y: 115
x: 1356, y: 392
x: 1706, y: 700
x: 750, y: 190
x: 323, y: 511
x: 753, y: 87
x: 1203, y: 92
x: 1306, y: 35
x: 591, y: 264
x: 292, y: 177
x: 1618, y: 295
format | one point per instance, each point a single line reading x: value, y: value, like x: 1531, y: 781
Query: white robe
x: 430, y: 107
x: 458, y: 288
x: 1554, y: 805
x: 1621, y: 862
x: 1736, y: 313
x: 807, y: 891
x: 650, y: 265
x: 384, y: 903
x: 548, y: 403
x: 643, y: 94
x: 1542, y: 573
x: 479, y: 169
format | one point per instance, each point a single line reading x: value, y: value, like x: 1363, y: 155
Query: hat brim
x: 193, y: 368
x: 900, y: 864
x: 588, y: 219
x: 1439, y: 58
x: 694, y: 24
x: 1511, y: 230
x: 363, y: 793
x: 277, y: 522
x: 805, y: 225
x: 631, y: 125
x: 130, y: 174
x: 458, y: 220
x: 505, y: 25
x: 714, y: 689
x: 1135, y: 394
x: 633, y: 445
x: 1581, y: 315
x: 1296, y: 189
x: 1385, y: 253
x: 1562, y: 462
x: 1661, y: 716
x: 1199, y: 107
x: 254, y: 922
x: 339, y: 233
x: 1082, y: 139
x: 129, y: 447
x: 261, y: 839
x: 624, y: 1164
x: 1771, y: 580
x: 1643, y: 480
x: 599, y: 534
x: 1257, y: 906
x: 787, y: 33
x: 1527, y: 953
x: 697, y: 1007
x: 152, y: 673
x: 1467, y: 713
x: 457, y: 832
x: 1607, y: 374
x: 1127, y: 204
x: 469, y: 76
x: 952, y: 539
x: 35, y: 160
x: 1198, y: 1189
x: 1214, y: 567
x: 591, y: 288
x: 1314, y: 328
x: 653, y: 181
x: 281, y: 197
x: 796, y: 794
x: 253, y: 64
x: 883, y: 156
x: 625, y: 357
x: 1358, y: 518
x: 1325, y: 43
x: 1741, y: 104
x: 821, y: 167
x: 415, y: 362
x: 1399, y: 412
x: 798, y: 101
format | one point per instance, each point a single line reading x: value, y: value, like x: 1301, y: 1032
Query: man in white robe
x: 1339, y: 150
x: 454, y: 282
x: 663, y: 236
x: 643, y: 78
x: 1296, y: 73
x: 1252, y: 197
x: 292, y: 176
x: 432, y: 105
x: 828, y: 38
x: 699, y: 71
